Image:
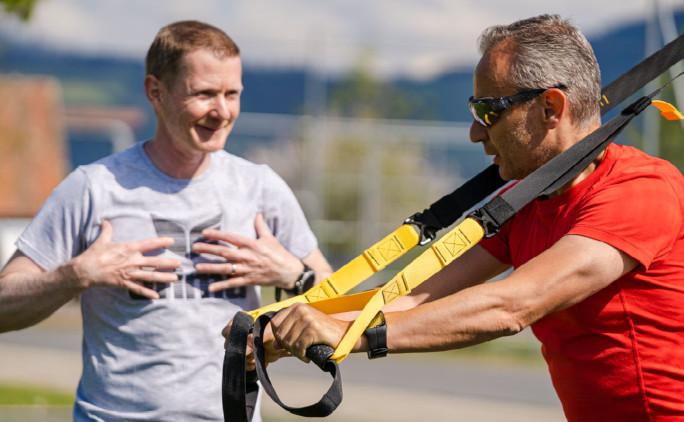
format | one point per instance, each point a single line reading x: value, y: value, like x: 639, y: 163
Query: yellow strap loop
x: 439, y: 255
x: 356, y: 271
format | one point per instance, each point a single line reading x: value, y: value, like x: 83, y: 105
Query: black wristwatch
x: 376, y: 334
x: 303, y: 283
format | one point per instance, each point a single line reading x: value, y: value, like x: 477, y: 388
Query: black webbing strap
x: 240, y: 388
x: 638, y: 76
x: 448, y: 209
x: 319, y: 354
x: 558, y: 171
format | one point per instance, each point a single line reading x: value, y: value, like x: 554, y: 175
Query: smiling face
x: 516, y: 139
x: 197, y: 111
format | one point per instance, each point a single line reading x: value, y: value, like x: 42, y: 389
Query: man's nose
x: 222, y: 108
x: 478, y: 133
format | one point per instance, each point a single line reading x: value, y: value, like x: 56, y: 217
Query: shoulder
x: 241, y: 168
x: 638, y: 176
x: 121, y: 162
x: 627, y: 161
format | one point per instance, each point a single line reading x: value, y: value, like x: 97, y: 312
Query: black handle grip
x: 320, y: 354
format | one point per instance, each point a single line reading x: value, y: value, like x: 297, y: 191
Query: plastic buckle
x: 488, y: 224
x: 427, y: 233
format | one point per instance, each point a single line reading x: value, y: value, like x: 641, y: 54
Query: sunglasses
x: 486, y: 110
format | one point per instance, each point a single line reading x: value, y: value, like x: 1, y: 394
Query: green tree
x: 361, y: 94
x: 21, y: 8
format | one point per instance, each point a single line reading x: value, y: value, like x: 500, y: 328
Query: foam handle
x: 320, y: 354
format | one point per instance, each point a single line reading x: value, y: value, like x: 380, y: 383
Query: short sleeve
x: 56, y: 233
x: 285, y: 217
x: 639, y: 216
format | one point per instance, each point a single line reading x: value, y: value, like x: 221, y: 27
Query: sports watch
x: 376, y: 334
x: 303, y: 283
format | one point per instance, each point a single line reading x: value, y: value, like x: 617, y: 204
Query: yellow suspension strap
x: 439, y: 255
x: 353, y: 273
x: 489, y: 219
x: 419, y: 229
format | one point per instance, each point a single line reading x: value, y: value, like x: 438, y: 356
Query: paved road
x: 397, y: 388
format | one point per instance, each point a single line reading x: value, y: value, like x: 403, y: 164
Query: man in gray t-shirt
x: 163, y: 242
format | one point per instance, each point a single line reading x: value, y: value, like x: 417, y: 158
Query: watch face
x: 307, y: 279
x: 308, y: 276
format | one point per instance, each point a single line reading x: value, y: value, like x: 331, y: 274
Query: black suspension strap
x: 448, y: 209
x: 318, y: 355
x: 558, y: 171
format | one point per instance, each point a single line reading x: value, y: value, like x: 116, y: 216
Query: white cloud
x: 406, y: 36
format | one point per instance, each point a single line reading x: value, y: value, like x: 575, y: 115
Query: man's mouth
x: 213, y: 128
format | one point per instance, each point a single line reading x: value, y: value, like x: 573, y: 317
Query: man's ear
x: 153, y: 90
x: 555, y: 105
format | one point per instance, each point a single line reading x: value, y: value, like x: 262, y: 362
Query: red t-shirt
x: 619, y: 354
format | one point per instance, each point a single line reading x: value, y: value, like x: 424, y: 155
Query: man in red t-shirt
x: 598, y: 266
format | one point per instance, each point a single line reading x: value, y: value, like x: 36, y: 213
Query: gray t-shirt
x: 159, y: 360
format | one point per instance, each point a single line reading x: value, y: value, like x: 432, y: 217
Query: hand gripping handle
x: 319, y: 354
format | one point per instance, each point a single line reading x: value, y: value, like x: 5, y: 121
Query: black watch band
x: 376, y: 334
x: 303, y: 283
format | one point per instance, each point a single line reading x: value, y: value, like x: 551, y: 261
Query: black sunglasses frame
x: 486, y: 110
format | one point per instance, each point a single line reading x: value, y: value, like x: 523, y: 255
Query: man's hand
x: 122, y: 264
x: 299, y: 326
x: 262, y: 261
x: 271, y: 354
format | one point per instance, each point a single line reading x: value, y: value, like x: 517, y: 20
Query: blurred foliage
x: 370, y: 182
x: 21, y: 8
x: 360, y: 94
x: 670, y: 132
x: 27, y: 395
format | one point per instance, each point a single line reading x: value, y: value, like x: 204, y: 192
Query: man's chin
x: 213, y: 143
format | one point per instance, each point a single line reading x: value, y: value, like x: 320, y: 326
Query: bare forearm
x: 564, y: 275
x: 317, y: 262
x: 470, y: 317
x: 26, y: 299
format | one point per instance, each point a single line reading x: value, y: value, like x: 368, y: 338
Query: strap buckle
x: 427, y: 231
x: 489, y: 225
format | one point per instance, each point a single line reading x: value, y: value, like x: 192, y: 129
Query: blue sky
x: 408, y: 37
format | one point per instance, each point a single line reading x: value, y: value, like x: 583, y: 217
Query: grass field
x: 20, y: 403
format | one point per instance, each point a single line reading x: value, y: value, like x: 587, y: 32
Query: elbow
x: 511, y: 324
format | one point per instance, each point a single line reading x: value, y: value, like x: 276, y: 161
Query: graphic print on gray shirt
x: 159, y: 359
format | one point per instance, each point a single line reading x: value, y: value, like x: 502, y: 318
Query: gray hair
x: 550, y: 51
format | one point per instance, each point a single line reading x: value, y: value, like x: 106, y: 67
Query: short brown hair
x: 175, y: 40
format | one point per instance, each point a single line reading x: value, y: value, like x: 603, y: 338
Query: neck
x: 587, y: 170
x: 175, y: 163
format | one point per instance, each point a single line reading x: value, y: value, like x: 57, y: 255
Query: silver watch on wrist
x: 304, y: 282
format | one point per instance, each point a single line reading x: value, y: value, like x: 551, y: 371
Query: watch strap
x: 376, y: 334
x: 304, y: 282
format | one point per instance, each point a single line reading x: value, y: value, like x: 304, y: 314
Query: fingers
x: 106, y: 232
x: 232, y: 238
x: 231, y: 283
x: 229, y: 253
x: 141, y: 290
x: 153, y: 276
x: 291, y: 330
x: 158, y: 263
x: 153, y: 243
x: 262, y: 229
x: 300, y: 326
